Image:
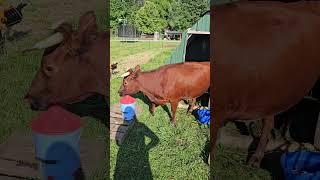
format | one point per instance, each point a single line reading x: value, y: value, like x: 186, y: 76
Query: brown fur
x: 265, y: 59
x: 169, y: 84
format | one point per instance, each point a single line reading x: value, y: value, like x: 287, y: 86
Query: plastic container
x: 128, y: 106
x: 301, y: 165
x: 203, y: 116
x: 56, y: 133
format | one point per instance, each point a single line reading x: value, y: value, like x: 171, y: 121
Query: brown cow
x: 169, y: 84
x: 73, y: 67
x: 266, y: 58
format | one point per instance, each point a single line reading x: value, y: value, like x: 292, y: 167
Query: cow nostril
x: 31, y: 102
x: 26, y: 97
x: 34, y: 106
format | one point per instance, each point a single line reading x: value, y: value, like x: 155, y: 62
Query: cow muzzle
x: 121, y: 93
x: 34, y: 103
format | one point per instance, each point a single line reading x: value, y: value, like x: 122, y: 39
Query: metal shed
x: 195, y: 43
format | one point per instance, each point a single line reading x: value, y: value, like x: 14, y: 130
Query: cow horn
x: 125, y: 74
x: 54, y: 39
x: 55, y: 25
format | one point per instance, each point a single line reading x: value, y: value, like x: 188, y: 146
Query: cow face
x: 130, y: 84
x: 65, y: 72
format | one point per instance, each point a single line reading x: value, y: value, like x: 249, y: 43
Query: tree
x: 117, y: 9
x: 183, y: 14
x: 149, y: 19
x: 176, y: 14
x: 123, y: 9
x: 156, y: 15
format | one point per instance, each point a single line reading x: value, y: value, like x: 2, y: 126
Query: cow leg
x: 256, y: 158
x: 174, y: 106
x: 153, y: 109
x: 190, y: 108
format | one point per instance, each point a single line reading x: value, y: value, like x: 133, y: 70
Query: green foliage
x: 117, y: 12
x: 123, y: 9
x: 192, y: 11
x: 149, y: 18
x: 157, y: 15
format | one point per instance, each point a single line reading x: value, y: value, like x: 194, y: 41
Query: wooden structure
x: 17, y: 157
x: 119, y: 127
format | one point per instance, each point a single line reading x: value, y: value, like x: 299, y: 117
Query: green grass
x: 174, y: 152
x: 120, y: 50
x: 231, y: 164
x: 16, y: 73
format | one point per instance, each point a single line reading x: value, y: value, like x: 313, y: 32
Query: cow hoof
x: 152, y: 113
x: 254, y: 161
x: 173, y: 123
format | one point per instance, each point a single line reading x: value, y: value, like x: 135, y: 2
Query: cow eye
x: 48, y: 70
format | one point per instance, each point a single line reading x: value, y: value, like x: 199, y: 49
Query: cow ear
x: 87, y: 26
x: 135, y: 75
x: 65, y: 29
x: 130, y: 71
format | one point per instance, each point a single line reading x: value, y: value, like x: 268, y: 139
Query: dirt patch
x: 134, y: 60
x: 40, y: 15
x: 170, y: 46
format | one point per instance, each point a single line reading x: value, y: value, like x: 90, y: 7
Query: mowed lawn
x: 154, y: 148
x: 17, y: 71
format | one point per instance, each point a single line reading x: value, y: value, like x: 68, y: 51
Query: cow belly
x: 188, y: 86
x: 257, y: 99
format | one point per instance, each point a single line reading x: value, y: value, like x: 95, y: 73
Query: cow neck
x: 150, y: 87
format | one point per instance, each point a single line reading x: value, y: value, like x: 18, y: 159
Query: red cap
x: 127, y: 100
x: 56, y: 121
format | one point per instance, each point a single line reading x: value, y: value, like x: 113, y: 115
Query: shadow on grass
x: 205, y: 152
x: 271, y: 160
x: 272, y: 163
x: 133, y: 155
x: 94, y: 106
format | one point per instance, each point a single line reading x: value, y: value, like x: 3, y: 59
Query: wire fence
x: 149, y: 42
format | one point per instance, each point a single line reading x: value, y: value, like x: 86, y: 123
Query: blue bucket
x: 67, y: 162
x: 204, y: 116
x: 301, y: 165
x: 128, y: 106
x: 56, y: 134
x: 128, y: 111
x: 59, y: 155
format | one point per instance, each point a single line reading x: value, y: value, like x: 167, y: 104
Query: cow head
x: 64, y: 75
x: 130, y: 84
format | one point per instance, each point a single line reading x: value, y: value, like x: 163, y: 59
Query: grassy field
x: 155, y: 149
x: 17, y: 70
